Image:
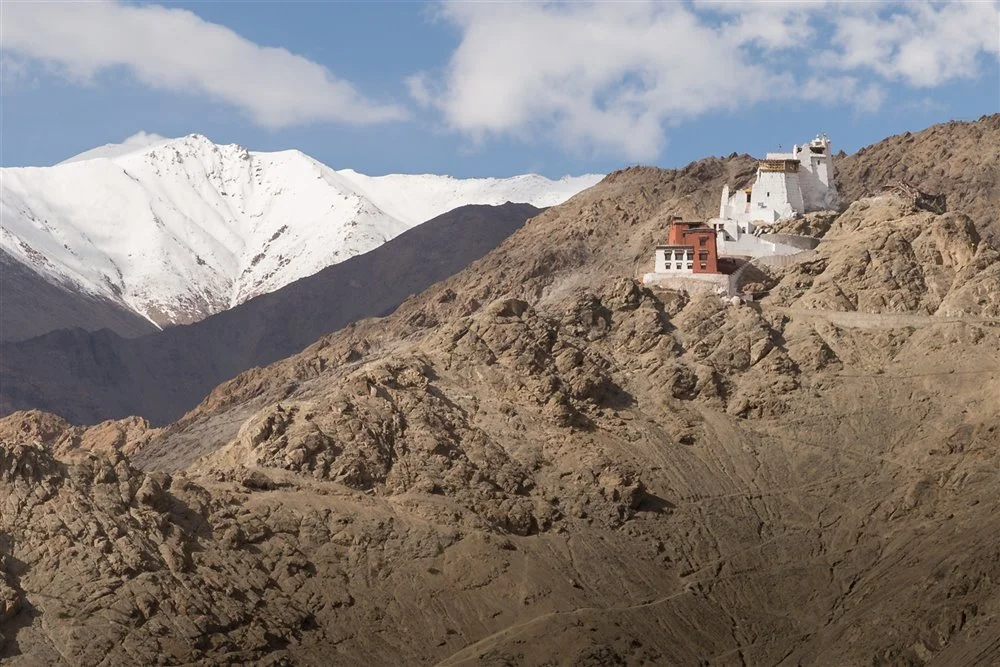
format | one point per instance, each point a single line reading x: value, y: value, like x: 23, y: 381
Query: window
x: 690, y: 265
x: 702, y: 240
x: 704, y: 266
x: 703, y: 255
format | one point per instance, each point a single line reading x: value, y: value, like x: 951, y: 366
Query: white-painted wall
x: 817, y: 191
x: 713, y: 283
x: 779, y: 195
x: 735, y: 238
x: 775, y: 195
x: 749, y: 245
x: 674, y: 260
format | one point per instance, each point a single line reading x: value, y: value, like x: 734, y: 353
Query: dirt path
x: 856, y: 320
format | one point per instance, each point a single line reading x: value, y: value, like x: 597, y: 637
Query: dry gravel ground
x: 538, y: 461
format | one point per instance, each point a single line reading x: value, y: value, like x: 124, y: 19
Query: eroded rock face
x: 110, y: 437
x: 955, y: 159
x: 125, y: 559
x: 884, y: 256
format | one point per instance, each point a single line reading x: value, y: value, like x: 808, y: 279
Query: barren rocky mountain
x: 88, y: 377
x: 541, y: 461
x: 960, y: 160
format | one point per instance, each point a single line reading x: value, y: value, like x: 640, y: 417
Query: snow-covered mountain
x: 176, y: 230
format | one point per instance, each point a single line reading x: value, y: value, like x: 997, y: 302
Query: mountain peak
x: 191, y: 144
x: 178, y: 229
x: 137, y: 142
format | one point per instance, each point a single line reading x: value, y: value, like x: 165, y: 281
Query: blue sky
x: 491, y: 89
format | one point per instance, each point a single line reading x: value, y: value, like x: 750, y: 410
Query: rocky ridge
x: 959, y: 159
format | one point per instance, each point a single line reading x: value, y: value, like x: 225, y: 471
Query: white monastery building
x: 787, y: 185
x: 713, y: 256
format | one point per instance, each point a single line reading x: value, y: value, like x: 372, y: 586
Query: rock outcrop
x: 959, y: 160
x: 883, y: 255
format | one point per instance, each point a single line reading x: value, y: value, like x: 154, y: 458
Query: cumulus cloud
x: 767, y: 25
x: 610, y: 77
x: 173, y: 49
x: 862, y: 97
x: 418, y: 85
x: 12, y: 71
x: 604, y: 74
x: 922, y: 44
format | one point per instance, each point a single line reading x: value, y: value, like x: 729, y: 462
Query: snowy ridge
x: 418, y: 198
x: 179, y: 229
x: 137, y: 142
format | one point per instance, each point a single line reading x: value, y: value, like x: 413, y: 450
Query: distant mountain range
x: 91, y: 376
x: 162, y: 231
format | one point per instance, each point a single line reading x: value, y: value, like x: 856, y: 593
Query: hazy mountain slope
x: 960, y: 159
x: 32, y: 306
x: 89, y: 377
x: 181, y: 229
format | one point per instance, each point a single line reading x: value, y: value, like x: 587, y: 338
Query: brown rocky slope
x: 960, y: 160
x: 539, y: 461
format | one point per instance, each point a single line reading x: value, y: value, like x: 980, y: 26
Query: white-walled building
x: 787, y: 185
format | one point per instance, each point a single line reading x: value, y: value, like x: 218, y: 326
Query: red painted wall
x: 677, y: 229
x: 706, y: 256
x: 702, y: 239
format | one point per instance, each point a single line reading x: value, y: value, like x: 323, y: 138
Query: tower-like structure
x: 777, y: 192
x: 787, y: 184
x: 816, y: 174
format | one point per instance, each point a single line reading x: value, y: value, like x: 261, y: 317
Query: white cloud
x: 767, y: 25
x: 605, y: 75
x: 849, y: 90
x: 173, y: 49
x: 136, y: 142
x: 419, y: 86
x: 610, y: 77
x: 920, y: 43
x: 12, y: 71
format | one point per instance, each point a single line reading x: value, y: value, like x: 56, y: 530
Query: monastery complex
x: 787, y: 185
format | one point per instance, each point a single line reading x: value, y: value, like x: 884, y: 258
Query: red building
x: 690, y: 248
